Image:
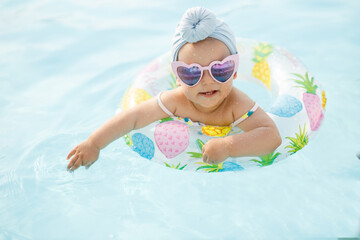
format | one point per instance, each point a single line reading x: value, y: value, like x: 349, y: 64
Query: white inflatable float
x: 297, y: 107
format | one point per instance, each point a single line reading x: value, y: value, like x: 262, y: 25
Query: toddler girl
x: 205, y: 62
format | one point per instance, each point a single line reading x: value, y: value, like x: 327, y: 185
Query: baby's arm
x: 87, y: 152
x: 260, y: 137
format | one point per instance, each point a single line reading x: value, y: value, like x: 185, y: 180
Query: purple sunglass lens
x: 190, y: 76
x: 222, y: 72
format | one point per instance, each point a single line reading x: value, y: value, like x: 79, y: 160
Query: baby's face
x: 208, y: 94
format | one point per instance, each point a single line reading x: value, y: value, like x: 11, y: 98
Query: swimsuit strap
x: 242, y: 118
x: 162, y: 106
x: 246, y: 115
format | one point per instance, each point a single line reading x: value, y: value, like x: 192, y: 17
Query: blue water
x: 64, y: 66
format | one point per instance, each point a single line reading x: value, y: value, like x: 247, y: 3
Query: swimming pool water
x: 64, y: 66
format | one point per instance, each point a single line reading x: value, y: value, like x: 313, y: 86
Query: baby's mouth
x: 209, y: 93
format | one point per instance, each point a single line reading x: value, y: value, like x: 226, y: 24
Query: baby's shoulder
x: 240, y: 103
x: 172, y: 99
x: 171, y: 96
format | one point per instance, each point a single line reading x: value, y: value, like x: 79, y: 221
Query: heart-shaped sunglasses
x: 220, y: 71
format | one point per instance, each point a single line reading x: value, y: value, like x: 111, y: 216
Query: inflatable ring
x: 297, y: 108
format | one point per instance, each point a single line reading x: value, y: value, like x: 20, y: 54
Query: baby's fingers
x: 205, y: 157
x: 207, y: 160
x: 72, y: 162
x: 77, y: 164
x: 71, y: 153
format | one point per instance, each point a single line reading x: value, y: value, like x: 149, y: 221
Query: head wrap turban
x: 197, y: 24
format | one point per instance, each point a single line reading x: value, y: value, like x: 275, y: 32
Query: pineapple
x: 171, y: 137
x: 267, y: 160
x: 311, y: 100
x: 221, y: 167
x: 133, y: 97
x: 200, y: 144
x: 178, y: 167
x: 210, y: 167
x: 323, y: 99
x: 128, y: 140
x: 261, y: 69
x: 216, y: 131
x: 299, y: 142
x: 141, y: 144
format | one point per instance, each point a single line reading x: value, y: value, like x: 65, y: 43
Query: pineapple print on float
x: 261, y: 69
x: 311, y: 101
x: 172, y: 138
x: 143, y: 145
x: 297, y: 107
x: 286, y: 106
x: 215, y: 131
x: 266, y: 160
x: 133, y: 97
x: 323, y: 99
x: 299, y: 141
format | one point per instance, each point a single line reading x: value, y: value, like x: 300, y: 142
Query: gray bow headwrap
x: 197, y: 24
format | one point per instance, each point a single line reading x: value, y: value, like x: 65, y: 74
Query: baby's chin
x: 209, y: 103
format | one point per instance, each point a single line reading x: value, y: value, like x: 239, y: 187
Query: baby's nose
x: 206, y: 78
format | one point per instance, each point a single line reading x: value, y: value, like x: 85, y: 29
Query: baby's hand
x: 215, y: 151
x: 84, y: 154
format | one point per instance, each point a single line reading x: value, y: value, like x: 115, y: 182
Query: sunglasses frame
x: 233, y: 57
